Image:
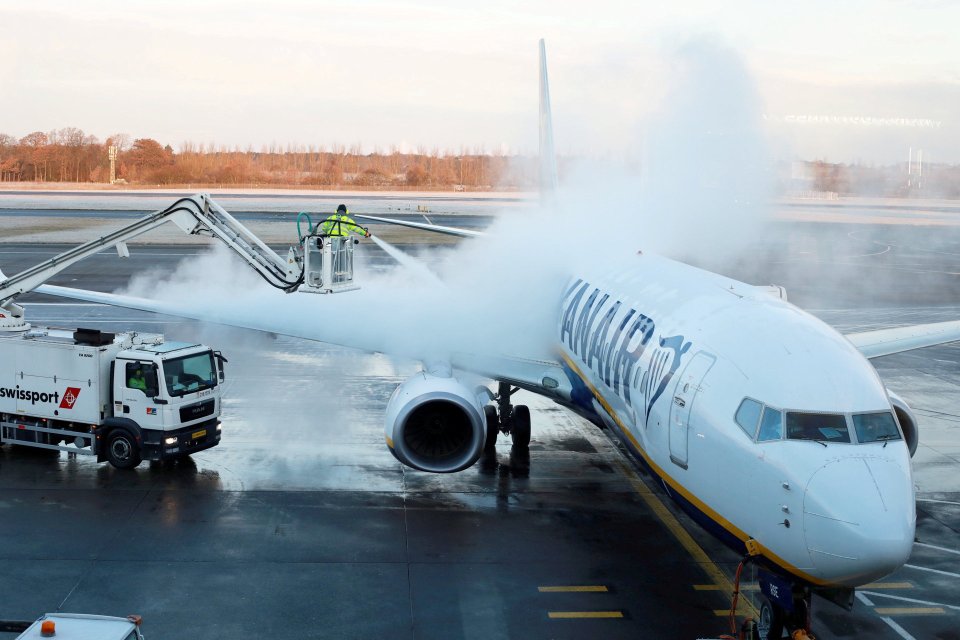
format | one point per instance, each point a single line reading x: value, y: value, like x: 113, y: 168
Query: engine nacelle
x: 908, y: 421
x: 435, y: 424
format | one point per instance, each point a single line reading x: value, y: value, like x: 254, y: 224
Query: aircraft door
x: 680, y: 409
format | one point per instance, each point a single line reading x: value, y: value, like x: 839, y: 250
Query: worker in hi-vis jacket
x: 341, y: 224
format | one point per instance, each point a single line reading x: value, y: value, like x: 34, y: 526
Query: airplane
x: 769, y: 428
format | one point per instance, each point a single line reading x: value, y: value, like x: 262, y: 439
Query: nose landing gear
x: 783, y: 607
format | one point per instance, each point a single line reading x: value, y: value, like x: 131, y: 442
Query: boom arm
x: 196, y: 215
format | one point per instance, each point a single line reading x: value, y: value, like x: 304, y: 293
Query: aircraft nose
x: 859, y: 519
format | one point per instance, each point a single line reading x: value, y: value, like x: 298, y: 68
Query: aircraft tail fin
x: 548, y: 155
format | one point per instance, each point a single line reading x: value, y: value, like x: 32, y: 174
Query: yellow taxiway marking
x: 909, y: 611
x: 685, y: 539
x: 568, y: 615
x: 888, y: 585
x: 597, y: 588
x: 743, y: 609
x: 752, y: 586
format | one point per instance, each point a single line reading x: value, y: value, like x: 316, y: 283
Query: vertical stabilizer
x: 548, y: 156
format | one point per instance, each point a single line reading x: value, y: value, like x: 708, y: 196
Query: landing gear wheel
x: 520, y: 429
x: 493, y: 427
x: 122, y: 450
x: 770, y: 622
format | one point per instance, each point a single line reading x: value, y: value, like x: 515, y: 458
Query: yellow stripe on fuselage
x: 676, y: 486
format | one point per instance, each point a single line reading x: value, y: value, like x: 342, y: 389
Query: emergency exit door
x: 681, y: 408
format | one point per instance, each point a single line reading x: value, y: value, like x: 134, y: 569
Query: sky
x: 840, y: 80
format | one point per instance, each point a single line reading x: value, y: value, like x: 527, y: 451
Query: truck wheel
x: 122, y: 450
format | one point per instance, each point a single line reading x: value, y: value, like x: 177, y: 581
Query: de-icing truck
x: 121, y: 397
x: 126, y: 397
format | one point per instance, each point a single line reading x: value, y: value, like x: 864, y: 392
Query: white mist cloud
x: 705, y: 188
x: 707, y: 170
x: 705, y: 179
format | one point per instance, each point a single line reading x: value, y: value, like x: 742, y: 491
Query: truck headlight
x: 170, y: 440
x: 219, y: 427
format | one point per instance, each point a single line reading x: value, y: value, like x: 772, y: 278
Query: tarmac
x: 302, y: 525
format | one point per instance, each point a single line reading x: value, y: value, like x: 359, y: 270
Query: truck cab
x: 171, y: 392
x: 122, y: 397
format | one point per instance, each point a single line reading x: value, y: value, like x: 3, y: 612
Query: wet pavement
x: 301, y: 523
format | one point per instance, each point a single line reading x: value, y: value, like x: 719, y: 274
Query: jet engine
x: 907, y: 420
x: 435, y: 423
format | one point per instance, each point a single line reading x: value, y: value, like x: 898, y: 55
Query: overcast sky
x: 452, y: 74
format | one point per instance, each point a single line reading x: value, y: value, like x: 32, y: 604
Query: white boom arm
x: 196, y: 215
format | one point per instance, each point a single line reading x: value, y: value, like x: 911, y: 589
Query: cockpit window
x: 823, y: 427
x: 875, y: 427
x: 748, y: 415
x: 771, y: 426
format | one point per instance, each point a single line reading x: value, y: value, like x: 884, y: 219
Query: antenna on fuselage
x: 548, y: 155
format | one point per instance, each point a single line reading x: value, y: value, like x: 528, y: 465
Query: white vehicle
x: 71, y: 391
x: 122, y: 397
x: 770, y: 428
x: 78, y: 626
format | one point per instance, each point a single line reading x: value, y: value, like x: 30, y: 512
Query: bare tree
x: 35, y: 144
x: 119, y: 140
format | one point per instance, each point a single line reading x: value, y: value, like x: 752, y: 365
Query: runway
x: 301, y: 524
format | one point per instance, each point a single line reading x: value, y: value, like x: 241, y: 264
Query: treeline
x: 68, y: 155
x: 59, y: 156
x: 931, y: 180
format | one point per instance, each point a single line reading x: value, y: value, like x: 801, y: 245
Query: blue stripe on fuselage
x: 580, y: 394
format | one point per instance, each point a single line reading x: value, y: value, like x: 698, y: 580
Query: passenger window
x: 823, y: 427
x: 748, y: 415
x: 875, y: 427
x: 771, y: 426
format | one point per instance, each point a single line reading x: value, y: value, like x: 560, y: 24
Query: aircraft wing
x: 884, y: 342
x: 435, y: 228
x: 229, y: 318
x: 545, y: 377
x: 532, y: 374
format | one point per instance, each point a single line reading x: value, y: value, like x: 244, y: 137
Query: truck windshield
x: 190, y: 373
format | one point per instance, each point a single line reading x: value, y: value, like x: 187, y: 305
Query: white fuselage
x: 665, y: 353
